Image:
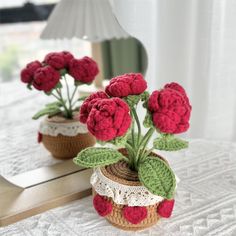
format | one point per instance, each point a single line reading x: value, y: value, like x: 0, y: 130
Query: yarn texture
x: 170, y: 109
x: 83, y: 70
x: 27, y: 74
x: 94, y: 157
x: 157, y: 177
x: 46, y: 78
x: 101, y: 205
x: 165, y: 208
x: 134, y: 214
x: 127, y: 84
x: 108, y: 119
x: 88, y: 104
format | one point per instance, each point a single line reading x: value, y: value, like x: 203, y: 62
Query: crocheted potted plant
x: 60, y: 132
x: 133, y: 186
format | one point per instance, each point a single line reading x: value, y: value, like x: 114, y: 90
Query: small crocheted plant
x: 47, y: 76
x: 111, y: 117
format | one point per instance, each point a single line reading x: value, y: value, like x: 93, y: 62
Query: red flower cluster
x: 88, y: 104
x: 27, y: 74
x: 108, y: 119
x: 170, y: 109
x: 58, y: 60
x: 45, y: 76
x: 101, y: 205
x: 127, y: 84
x: 83, y: 70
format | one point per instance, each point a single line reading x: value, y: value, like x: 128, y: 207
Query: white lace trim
x: 123, y: 194
x: 67, y: 129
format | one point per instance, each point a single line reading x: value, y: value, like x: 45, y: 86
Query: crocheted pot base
x: 67, y: 147
x: 120, y: 172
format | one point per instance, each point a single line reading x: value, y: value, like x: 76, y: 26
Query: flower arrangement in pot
x: 60, y: 132
x: 133, y: 187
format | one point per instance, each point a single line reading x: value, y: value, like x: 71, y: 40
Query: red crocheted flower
x: 88, y: 104
x: 127, y: 84
x: 67, y: 58
x: 55, y: 60
x: 165, y: 208
x: 134, y: 214
x: 101, y: 205
x: 108, y: 119
x: 27, y: 74
x: 83, y: 70
x: 46, y: 78
x: 170, y: 109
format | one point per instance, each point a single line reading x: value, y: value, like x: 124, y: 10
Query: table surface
x: 205, y: 198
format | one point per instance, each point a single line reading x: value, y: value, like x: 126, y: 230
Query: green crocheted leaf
x: 147, y: 123
x: 119, y: 141
x: 95, y: 157
x: 157, y: 177
x: 56, y: 104
x: 47, y: 111
x: 169, y: 142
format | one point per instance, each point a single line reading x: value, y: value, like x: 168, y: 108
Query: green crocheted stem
x: 168, y: 142
x: 157, y: 177
x: 132, y: 100
x: 95, y: 157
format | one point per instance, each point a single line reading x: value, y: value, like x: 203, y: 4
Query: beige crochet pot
x: 64, y: 138
x: 113, y: 179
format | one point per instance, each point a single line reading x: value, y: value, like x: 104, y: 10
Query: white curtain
x: 192, y: 42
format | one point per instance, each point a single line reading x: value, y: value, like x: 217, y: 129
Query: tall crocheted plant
x: 51, y: 76
x: 111, y: 116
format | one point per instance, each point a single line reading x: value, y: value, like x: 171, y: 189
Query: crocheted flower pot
x: 124, y: 201
x: 64, y: 138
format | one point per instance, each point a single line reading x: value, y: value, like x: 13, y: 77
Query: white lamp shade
x: 92, y: 20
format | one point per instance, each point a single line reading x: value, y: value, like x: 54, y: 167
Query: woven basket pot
x: 63, y: 138
x: 121, y: 216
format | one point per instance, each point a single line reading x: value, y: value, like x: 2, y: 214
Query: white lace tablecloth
x: 205, y: 199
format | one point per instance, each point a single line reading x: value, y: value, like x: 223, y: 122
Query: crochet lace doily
x: 64, y: 128
x: 123, y: 194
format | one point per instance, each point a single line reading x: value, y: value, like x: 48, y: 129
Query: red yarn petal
x: 101, y: 205
x: 165, y: 208
x: 134, y: 214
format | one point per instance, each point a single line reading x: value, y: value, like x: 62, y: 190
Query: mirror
x: 20, y: 44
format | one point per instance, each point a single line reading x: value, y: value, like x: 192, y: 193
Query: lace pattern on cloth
x: 67, y: 129
x: 123, y: 194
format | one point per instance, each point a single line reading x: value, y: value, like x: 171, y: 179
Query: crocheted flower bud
x: 55, y: 60
x: 88, y: 104
x: 46, y: 78
x: 83, y: 70
x: 170, y: 109
x: 108, y: 119
x: 27, y: 74
x: 127, y: 84
x: 67, y: 58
